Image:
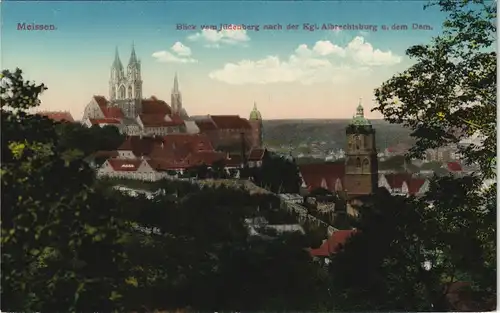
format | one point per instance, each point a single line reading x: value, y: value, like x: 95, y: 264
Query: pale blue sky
x: 324, y: 80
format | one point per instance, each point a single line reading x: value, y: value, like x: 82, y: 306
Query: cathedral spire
x: 176, y: 84
x: 117, y: 63
x: 175, y: 97
x: 133, y: 57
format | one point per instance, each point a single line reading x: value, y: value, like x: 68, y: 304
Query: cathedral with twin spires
x: 127, y: 109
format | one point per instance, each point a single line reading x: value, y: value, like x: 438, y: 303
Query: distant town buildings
x: 172, y: 156
x: 162, y: 140
x: 358, y: 175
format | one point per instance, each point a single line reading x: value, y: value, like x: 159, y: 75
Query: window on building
x: 358, y: 162
x: 366, y: 165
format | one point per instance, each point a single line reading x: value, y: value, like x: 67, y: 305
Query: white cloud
x: 214, y: 38
x: 181, y: 49
x: 325, y: 47
x: 323, y: 62
x: 180, y: 54
x: 363, y: 52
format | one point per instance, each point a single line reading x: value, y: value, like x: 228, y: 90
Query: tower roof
x: 133, y: 57
x: 255, y: 114
x: 117, y: 63
x: 176, y: 84
x: 359, y: 119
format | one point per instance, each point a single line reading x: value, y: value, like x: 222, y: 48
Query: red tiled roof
x: 153, y: 120
x: 396, y: 181
x: 313, y: 174
x: 195, y: 142
x: 58, y: 116
x: 122, y: 165
x: 112, y: 112
x: 206, y: 125
x: 108, y: 111
x: 234, y: 160
x: 230, y: 122
x: 169, y: 152
x: 101, y: 101
x: 155, y: 106
x: 454, y: 167
x: 415, y: 185
x: 165, y: 164
x: 98, y: 121
x: 205, y: 157
x: 333, y: 244
x: 139, y: 146
x: 176, y: 119
x: 256, y: 154
x: 158, y: 120
x: 171, y: 147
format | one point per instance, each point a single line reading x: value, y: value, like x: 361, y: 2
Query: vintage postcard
x: 248, y: 155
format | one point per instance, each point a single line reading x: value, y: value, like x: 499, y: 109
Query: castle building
x: 128, y: 110
x: 361, y: 163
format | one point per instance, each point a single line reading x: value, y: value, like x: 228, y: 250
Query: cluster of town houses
x: 163, y: 141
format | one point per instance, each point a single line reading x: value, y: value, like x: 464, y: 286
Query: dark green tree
x: 278, y: 174
x: 453, y: 236
x: 218, y: 169
x: 203, y: 257
x: 450, y: 92
x: 417, y: 247
x: 89, y: 140
x: 60, y: 240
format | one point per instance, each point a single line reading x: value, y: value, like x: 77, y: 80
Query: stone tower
x: 361, y: 163
x: 125, y: 89
x: 134, y: 79
x: 176, y: 98
x: 117, y: 81
x: 255, y: 120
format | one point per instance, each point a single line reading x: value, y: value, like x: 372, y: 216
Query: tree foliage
x: 455, y: 235
x: 277, y: 174
x: 71, y: 243
x: 59, y: 237
x: 89, y: 140
x: 204, y: 257
x: 450, y: 92
x: 408, y: 251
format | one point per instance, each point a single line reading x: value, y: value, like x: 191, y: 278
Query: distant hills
x: 306, y: 131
